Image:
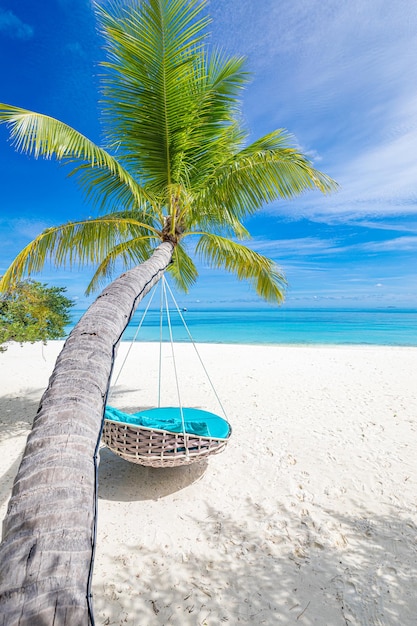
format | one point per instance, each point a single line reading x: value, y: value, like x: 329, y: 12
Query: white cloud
x: 24, y: 227
x: 313, y: 247
x: 377, y: 180
x: 392, y: 225
x: 12, y: 26
x: 75, y: 48
x: 340, y: 76
x: 398, y: 244
x: 297, y: 246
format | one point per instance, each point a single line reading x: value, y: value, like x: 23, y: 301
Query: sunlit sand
x: 307, y: 517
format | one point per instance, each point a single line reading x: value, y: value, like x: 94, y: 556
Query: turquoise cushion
x: 197, y: 421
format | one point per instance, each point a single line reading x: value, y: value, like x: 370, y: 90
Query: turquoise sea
x: 393, y: 327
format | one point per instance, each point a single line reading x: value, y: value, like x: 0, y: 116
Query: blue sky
x: 341, y: 77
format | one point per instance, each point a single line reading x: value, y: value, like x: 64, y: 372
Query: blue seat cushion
x: 197, y: 421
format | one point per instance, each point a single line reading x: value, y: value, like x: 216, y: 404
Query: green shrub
x: 32, y: 311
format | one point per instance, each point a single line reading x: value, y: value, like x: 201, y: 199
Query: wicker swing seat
x: 138, y: 439
x: 165, y: 436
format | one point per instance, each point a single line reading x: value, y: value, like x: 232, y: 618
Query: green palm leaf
x: 123, y: 255
x: 83, y: 243
x: 247, y: 264
x: 176, y: 161
x: 182, y: 269
x: 267, y: 170
x: 43, y: 136
x: 153, y: 49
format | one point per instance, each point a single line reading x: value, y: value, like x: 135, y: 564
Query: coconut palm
x: 175, y: 167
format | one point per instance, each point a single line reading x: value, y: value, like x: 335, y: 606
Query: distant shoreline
x: 264, y: 326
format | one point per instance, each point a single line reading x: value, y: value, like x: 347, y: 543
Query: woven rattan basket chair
x: 166, y: 436
x: 158, y: 448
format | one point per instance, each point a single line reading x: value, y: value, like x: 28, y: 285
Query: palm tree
x: 176, y: 164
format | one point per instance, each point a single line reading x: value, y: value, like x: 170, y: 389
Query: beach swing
x: 165, y: 436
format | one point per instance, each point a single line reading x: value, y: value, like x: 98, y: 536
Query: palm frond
x: 79, y: 243
x: 44, y: 136
x: 281, y: 144
x: 222, y: 227
x: 268, y: 169
x: 152, y: 48
x: 106, y: 193
x: 210, y: 132
x: 124, y: 255
x: 182, y: 269
x: 261, y: 272
x: 171, y: 114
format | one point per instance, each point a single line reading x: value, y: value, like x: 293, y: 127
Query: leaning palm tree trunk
x: 46, y: 557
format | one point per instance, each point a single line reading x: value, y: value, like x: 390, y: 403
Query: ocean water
x: 393, y: 327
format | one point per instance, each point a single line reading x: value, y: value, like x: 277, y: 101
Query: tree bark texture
x: 46, y: 557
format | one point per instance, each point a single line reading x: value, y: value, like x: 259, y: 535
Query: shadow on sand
x: 268, y: 571
x: 120, y: 480
x: 16, y: 417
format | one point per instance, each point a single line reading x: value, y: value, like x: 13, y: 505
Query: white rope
x: 164, y: 284
x: 161, y: 313
x: 196, y: 349
x: 113, y: 385
x: 164, y: 300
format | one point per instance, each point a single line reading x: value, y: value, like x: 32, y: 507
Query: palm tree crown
x: 175, y: 161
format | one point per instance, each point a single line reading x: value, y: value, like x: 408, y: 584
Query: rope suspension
x: 166, y: 436
x: 165, y: 289
x: 177, y: 384
x: 196, y: 349
x: 134, y: 338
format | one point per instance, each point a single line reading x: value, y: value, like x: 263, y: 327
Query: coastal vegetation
x: 33, y: 311
x: 176, y: 175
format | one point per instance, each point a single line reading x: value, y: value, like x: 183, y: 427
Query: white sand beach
x: 308, y: 517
